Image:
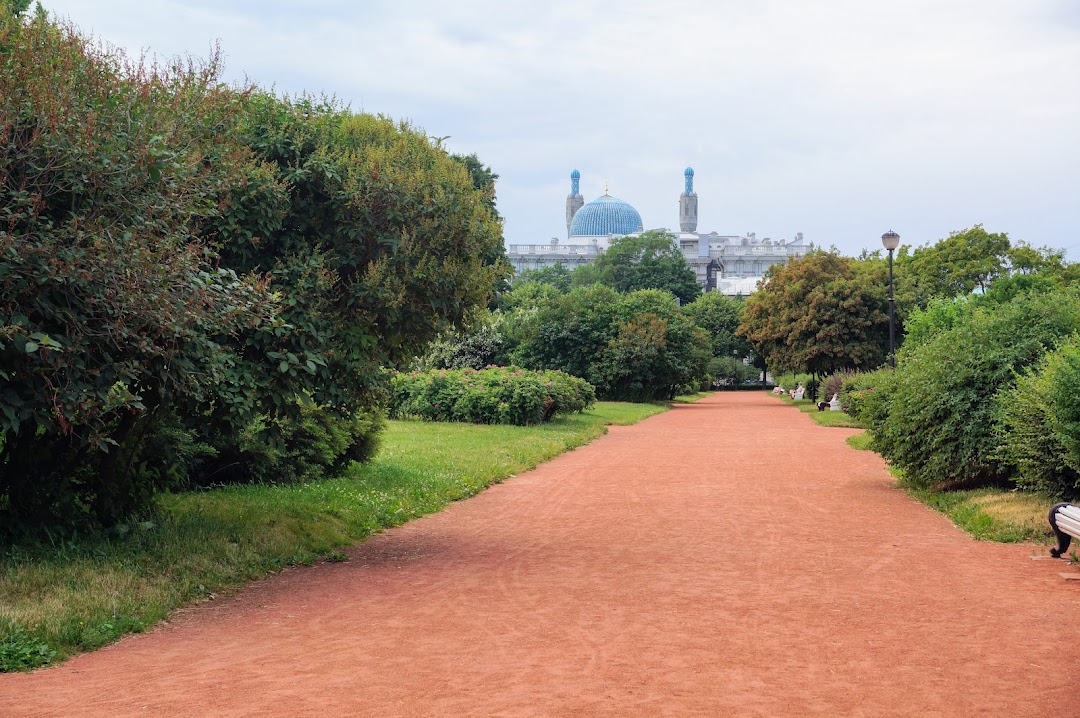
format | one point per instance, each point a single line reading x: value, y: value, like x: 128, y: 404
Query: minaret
x: 688, y: 204
x: 574, y: 200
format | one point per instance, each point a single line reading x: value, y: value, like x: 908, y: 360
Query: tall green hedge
x: 934, y: 416
x: 1038, y: 424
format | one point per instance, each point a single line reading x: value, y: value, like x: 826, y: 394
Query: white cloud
x: 838, y: 118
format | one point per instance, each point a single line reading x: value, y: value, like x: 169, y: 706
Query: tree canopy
x: 819, y: 313
x: 650, y: 260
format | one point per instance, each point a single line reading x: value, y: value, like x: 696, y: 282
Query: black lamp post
x: 891, y: 240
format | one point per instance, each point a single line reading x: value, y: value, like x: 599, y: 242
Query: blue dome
x: 603, y: 216
x: 575, y: 175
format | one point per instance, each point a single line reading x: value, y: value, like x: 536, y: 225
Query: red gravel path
x: 727, y: 558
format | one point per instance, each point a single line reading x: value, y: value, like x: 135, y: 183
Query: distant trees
x: 650, y: 260
x: 636, y: 346
x: 819, y: 313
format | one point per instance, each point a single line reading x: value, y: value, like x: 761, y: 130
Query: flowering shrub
x: 494, y: 395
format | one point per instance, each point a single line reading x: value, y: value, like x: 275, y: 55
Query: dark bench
x: 1065, y: 520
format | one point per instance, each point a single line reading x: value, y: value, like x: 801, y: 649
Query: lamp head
x: 890, y: 240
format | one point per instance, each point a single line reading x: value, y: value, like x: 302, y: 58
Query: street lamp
x: 891, y: 240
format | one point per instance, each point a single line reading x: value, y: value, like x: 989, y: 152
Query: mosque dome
x: 603, y: 216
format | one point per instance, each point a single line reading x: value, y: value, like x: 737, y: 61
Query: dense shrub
x: 474, y: 349
x: 834, y: 383
x: 728, y: 371
x: 937, y: 422
x: 111, y: 303
x: 317, y: 442
x: 174, y: 247
x: 1039, y: 425
x: 865, y: 395
x: 494, y: 395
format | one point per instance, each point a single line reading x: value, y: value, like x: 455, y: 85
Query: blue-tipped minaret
x: 688, y: 203
x: 574, y: 200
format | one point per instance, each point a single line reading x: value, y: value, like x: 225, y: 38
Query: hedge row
x: 984, y: 395
x: 495, y: 395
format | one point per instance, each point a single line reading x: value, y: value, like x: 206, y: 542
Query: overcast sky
x: 840, y: 119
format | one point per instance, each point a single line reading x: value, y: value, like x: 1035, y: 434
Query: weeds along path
x: 727, y: 558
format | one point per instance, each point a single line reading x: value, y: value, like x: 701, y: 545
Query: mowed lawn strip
x: 81, y: 594
x: 988, y: 514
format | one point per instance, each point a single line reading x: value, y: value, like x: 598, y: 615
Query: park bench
x: 1065, y: 520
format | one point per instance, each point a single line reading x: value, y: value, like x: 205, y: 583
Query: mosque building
x: 731, y: 264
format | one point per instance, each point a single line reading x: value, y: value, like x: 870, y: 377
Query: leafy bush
x: 494, y: 395
x: 1039, y: 425
x: 315, y: 442
x: 111, y: 303
x: 174, y: 246
x: 938, y: 422
x: 473, y: 349
x: 728, y: 371
x: 864, y: 395
x: 834, y: 383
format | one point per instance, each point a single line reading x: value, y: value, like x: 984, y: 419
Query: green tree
x: 719, y: 316
x: 819, y: 313
x: 650, y: 260
x: 557, y: 275
x: 378, y: 238
x: 15, y: 7
x: 632, y: 347
x: 955, y: 266
x: 483, y: 180
x: 584, y: 275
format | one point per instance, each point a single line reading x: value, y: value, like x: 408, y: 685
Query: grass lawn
x: 825, y: 418
x: 81, y: 594
x: 988, y: 514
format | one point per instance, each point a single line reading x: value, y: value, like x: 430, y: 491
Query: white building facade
x: 730, y: 264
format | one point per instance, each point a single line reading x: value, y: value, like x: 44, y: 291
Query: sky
x: 840, y: 119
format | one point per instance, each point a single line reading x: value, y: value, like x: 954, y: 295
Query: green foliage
x: 632, y: 347
x: 15, y: 7
x: 494, y: 395
x: 719, y: 316
x: 556, y: 275
x: 110, y: 303
x: 936, y: 420
x: 312, y: 444
x: 650, y: 260
x: 729, y: 371
x: 173, y: 247
x: 940, y: 315
x: 570, y: 331
x: 865, y: 395
x: 954, y: 267
x: 1038, y: 425
x: 21, y: 651
x: 819, y: 313
x: 459, y: 349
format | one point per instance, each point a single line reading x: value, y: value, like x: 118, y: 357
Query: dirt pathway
x: 727, y: 558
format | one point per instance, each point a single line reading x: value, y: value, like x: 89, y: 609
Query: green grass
x: 988, y: 514
x: 691, y: 398
x: 824, y: 418
x: 79, y: 595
